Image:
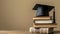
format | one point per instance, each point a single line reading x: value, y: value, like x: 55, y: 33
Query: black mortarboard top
x: 45, y: 9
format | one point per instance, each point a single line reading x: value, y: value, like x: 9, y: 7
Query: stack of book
x: 43, y: 23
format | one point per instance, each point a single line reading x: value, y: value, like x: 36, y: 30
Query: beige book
x: 43, y: 21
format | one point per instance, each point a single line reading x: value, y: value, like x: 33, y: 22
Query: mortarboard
x: 42, y: 9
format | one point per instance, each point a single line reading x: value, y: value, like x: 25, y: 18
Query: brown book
x: 45, y: 25
x: 42, y: 18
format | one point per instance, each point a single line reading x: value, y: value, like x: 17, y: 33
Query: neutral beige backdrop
x: 18, y: 14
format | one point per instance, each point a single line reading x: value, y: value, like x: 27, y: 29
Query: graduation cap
x: 42, y: 10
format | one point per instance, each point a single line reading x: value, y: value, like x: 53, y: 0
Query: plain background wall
x: 18, y: 14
